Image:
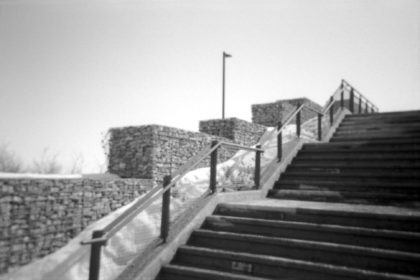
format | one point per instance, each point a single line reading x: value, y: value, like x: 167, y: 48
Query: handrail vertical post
x: 213, y: 167
x: 360, y: 104
x: 332, y: 112
x: 342, y: 95
x: 257, y: 167
x: 166, y: 201
x: 95, y: 256
x: 351, y: 100
x: 366, y: 107
x: 298, y: 123
x: 279, y: 142
x: 319, y: 126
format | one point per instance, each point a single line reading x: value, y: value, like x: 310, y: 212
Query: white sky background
x: 70, y: 70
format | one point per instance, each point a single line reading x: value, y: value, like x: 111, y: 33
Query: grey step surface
x: 376, y: 137
x: 359, y: 156
x: 361, y: 146
x: 273, y: 267
x: 336, y: 172
x: 384, y: 115
x: 378, y: 188
x: 356, y: 197
x: 372, y: 164
x: 178, y: 272
x: 351, y: 235
x: 345, y: 125
x: 314, y: 251
x: 375, y: 217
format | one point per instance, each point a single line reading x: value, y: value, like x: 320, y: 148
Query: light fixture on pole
x: 225, y: 55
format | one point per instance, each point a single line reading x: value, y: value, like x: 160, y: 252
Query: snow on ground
x: 38, y: 176
x: 72, y: 261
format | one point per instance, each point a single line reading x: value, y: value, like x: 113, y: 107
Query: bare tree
x: 9, y: 162
x: 77, y: 164
x: 47, y: 164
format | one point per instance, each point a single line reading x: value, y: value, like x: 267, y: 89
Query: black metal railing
x: 328, y: 109
x: 100, y: 237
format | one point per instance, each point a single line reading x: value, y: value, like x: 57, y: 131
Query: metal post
x: 223, y: 83
x: 360, y: 104
x: 298, y: 123
x: 257, y: 167
x: 366, y: 107
x: 95, y: 256
x: 351, y: 100
x: 166, y: 201
x: 332, y: 112
x: 342, y: 96
x: 213, y: 167
x: 319, y: 126
x: 279, y: 142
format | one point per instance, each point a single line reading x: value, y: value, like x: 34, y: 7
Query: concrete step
x: 343, y: 131
x: 327, y: 216
x: 373, y: 137
x: 272, y: 267
x: 364, y: 197
x: 341, y: 184
x: 415, y: 114
x: 371, y: 164
x: 179, y: 272
x: 315, y: 251
x: 358, y: 156
x: 346, y: 125
x: 371, y: 119
x: 379, y: 142
x: 361, y: 177
x: 383, y: 189
x: 363, y: 146
x: 334, y: 172
x: 368, y: 237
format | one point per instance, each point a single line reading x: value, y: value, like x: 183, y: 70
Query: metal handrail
x: 112, y: 228
x: 328, y: 107
x: 344, y: 82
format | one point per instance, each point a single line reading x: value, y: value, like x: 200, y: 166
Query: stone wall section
x: 39, y: 216
x: 130, y: 151
x: 240, y: 131
x: 154, y: 151
x: 173, y: 147
x: 269, y: 114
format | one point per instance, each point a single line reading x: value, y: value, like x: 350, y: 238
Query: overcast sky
x: 70, y: 70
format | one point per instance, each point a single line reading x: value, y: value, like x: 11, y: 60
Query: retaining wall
x: 39, y: 216
x: 154, y: 151
x: 269, y: 114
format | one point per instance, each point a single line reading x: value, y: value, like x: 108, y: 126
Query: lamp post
x: 225, y: 55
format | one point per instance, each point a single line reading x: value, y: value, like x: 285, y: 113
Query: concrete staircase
x: 342, y: 210
x: 371, y: 159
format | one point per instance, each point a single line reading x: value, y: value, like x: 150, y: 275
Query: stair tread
x: 215, y: 274
x: 291, y: 263
x: 315, y: 245
x: 338, y: 209
x: 351, y: 172
x: 340, y: 194
x: 324, y: 227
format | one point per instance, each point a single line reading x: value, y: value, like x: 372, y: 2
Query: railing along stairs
x: 100, y: 237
